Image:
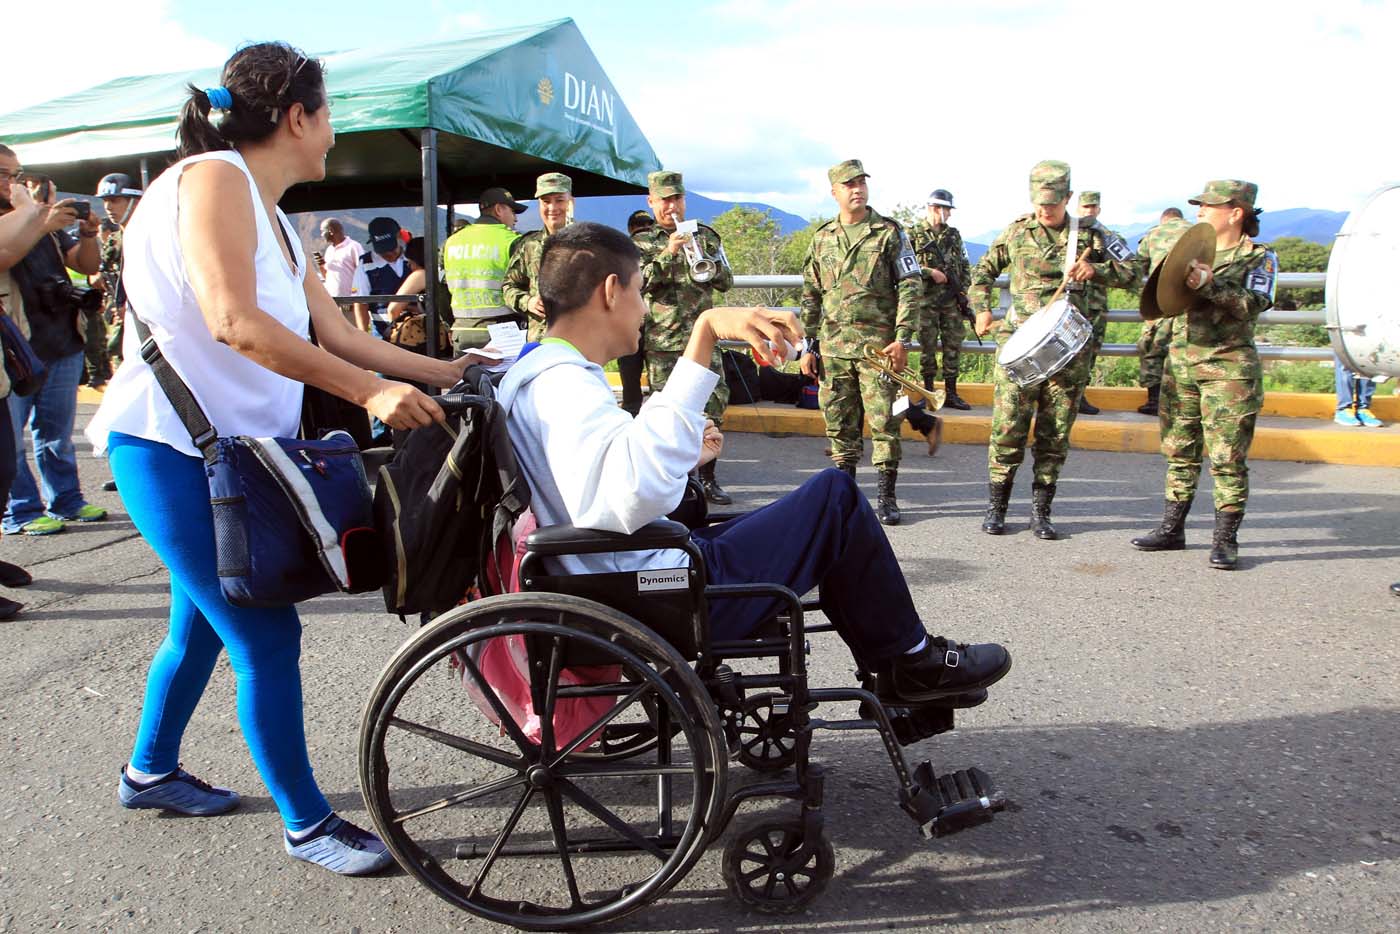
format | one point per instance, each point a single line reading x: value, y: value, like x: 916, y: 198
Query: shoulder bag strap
x: 181, y: 399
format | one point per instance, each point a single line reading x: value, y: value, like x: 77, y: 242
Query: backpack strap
x: 186, y: 406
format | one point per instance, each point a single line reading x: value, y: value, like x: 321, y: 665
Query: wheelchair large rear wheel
x: 507, y: 815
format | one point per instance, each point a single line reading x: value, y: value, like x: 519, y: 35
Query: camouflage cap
x: 846, y: 171
x: 665, y: 184
x: 1228, y: 191
x: 1088, y: 198
x: 553, y: 183
x: 1049, y: 182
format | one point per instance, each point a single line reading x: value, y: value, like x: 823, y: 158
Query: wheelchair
x: 597, y: 783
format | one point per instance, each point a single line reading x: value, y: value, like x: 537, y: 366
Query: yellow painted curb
x: 89, y: 396
x: 1311, y: 444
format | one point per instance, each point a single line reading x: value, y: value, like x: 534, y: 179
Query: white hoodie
x: 591, y: 464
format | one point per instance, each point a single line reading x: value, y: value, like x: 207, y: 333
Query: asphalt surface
x: 1185, y: 749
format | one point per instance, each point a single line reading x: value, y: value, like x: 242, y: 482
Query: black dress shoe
x: 110, y: 486
x: 12, y: 575
x: 1395, y: 589
x: 943, y: 668
x: 1086, y: 407
x: 9, y: 608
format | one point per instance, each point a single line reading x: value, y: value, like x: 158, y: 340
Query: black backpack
x: 447, y: 501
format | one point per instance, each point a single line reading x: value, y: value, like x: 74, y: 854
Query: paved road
x: 1188, y: 750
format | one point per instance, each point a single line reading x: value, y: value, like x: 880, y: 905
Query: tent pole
x: 145, y: 173
x: 430, y: 239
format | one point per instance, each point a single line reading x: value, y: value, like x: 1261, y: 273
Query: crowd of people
x: 207, y: 262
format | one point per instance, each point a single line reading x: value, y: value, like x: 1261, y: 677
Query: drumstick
x: 1061, y: 290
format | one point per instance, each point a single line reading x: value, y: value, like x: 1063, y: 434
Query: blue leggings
x: 167, y: 497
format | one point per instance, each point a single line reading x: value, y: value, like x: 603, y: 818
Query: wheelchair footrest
x: 945, y: 804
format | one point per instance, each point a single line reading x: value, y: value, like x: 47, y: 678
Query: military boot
x: 713, y: 491
x: 1040, y: 512
x: 1086, y: 407
x: 1224, y: 546
x: 1171, y: 534
x: 847, y: 469
x: 1154, y: 394
x: 998, y: 497
x: 953, y: 400
x: 886, y: 509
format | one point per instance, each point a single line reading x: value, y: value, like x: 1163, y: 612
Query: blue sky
x: 753, y: 99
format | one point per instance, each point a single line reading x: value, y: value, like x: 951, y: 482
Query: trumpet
x: 876, y: 357
x: 702, y: 267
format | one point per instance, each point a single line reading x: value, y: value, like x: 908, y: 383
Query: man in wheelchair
x: 592, y: 465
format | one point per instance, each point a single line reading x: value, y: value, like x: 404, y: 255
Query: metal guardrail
x: 1286, y: 280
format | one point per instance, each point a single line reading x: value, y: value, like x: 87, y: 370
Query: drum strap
x: 1072, y: 244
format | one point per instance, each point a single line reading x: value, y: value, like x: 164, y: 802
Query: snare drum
x: 1044, y: 344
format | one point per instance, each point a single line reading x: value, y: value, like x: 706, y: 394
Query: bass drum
x: 1363, y: 314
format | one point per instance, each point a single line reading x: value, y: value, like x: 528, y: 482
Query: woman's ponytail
x: 256, y: 87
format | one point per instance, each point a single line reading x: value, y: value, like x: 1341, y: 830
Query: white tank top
x: 239, y: 396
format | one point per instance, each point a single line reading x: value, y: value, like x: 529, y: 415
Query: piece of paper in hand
x: 508, y: 339
x: 900, y: 405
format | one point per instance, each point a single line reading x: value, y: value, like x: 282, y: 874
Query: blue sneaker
x: 1367, y: 419
x: 180, y: 792
x: 1345, y: 417
x: 341, y: 847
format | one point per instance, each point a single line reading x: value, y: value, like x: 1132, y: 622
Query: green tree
x: 1298, y: 255
x: 753, y: 242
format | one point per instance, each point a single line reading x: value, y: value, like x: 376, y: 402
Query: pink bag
x: 503, y: 663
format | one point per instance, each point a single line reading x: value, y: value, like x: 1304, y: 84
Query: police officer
x: 120, y: 196
x: 1037, y: 251
x: 675, y: 299
x: 1156, y: 335
x: 380, y: 271
x: 520, y: 291
x: 475, y: 260
x: 1213, y: 387
x: 1096, y: 293
x: 946, y: 272
x: 861, y: 285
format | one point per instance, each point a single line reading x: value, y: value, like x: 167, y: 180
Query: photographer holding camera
x: 55, y: 309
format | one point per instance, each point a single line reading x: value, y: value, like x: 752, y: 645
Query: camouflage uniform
x: 107, y: 326
x: 1156, y: 336
x: 520, y: 286
x: 674, y: 300
x: 1213, y: 386
x: 1035, y: 257
x: 940, y: 322
x: 854, y: 295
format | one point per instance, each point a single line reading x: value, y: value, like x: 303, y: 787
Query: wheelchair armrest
x: 715, y: 518
x: 570, y: 540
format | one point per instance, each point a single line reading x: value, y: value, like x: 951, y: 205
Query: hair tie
x: 219, y: 98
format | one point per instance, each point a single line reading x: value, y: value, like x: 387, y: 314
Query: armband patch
x: 1264, y: 277
x: 906, y: 264
x: 1117, y: 247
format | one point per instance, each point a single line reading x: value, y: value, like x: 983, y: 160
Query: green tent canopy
x: 498, y: 109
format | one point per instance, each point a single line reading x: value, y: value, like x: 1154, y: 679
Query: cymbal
x: 1166, y: 294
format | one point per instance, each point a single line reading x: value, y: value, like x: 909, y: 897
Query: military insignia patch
x: 1117, y: 247
x: 1264, y: 277
x: 906, y: 264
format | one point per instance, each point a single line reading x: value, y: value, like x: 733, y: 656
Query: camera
x: 83, y: 209
x: 58, y: 294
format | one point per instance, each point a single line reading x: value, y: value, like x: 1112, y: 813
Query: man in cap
x: 380, y: 271
x: 1156, y: 335
x: 1096, y: 293
x: 120, y: 196
x: 946, y: 272
x: 1036, y: 249
x: 675, y: 300
x: 861, y: 286
x: 475, y: 259
x: 521, y: 289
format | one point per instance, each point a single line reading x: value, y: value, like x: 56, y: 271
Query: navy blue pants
x: 825, y: 535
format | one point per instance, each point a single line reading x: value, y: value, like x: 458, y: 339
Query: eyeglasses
x: 11, y: 176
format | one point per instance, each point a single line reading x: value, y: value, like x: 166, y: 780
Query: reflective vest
x: 475, y: 260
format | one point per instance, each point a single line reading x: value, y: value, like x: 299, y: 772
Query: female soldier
x: 213, y: 269
x: 1213, y: 385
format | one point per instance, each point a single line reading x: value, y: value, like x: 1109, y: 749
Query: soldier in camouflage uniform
x: 675, y: 300
x: 1096, y: 293
x: 1034, y: 248
x: 1156, y: 335
x: 861, y: 286
x: 944, y: 260
x: 1213, y: 386
x: 120, y: 196
x: 520, y: 288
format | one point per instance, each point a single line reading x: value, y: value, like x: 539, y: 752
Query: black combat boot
x: 953, y: 400
x: 1086, y: 407
x: 1224, y: 546
x: 998, y: 496
x: 713, y: 491
x: 1154, y: 394
x: 886, y: 509
x: 1171, y: 534
x: 1040, y: 512
x: 847, y: 469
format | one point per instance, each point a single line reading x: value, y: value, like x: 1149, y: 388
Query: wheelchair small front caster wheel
x: 766, y: 740
x: 765, y: 868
